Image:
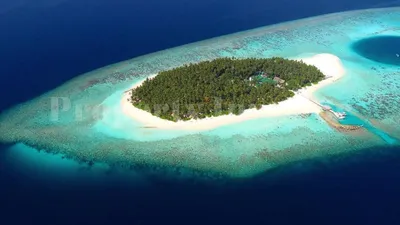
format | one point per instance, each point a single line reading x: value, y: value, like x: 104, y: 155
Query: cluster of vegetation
x: 222, y: 86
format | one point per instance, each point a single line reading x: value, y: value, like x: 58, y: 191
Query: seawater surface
x: 382, y: 49
x: 369, y: 92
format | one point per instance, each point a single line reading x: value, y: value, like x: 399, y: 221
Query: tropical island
x: 222, y: 86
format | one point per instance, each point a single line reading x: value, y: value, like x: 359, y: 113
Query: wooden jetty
x: 338, y: 115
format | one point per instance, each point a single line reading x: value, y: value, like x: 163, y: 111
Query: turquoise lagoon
x: 369, y: 92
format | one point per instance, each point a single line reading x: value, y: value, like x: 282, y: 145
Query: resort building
x: 279, y: 80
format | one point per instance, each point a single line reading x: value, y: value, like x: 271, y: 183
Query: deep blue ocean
x: 44, y: 43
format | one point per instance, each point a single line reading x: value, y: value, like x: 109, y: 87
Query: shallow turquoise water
x: 369, y: 91
x: 352, y: 119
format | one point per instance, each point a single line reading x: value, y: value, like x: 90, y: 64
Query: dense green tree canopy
x: 222, y: 86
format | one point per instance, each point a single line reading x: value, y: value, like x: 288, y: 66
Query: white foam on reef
x: 241, y: 149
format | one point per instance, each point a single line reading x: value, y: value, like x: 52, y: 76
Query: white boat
x: 341, y: 115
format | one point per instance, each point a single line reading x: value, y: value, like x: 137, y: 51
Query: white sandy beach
x: 329, y: 64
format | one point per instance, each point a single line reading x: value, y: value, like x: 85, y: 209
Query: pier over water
x: 338, y: 115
